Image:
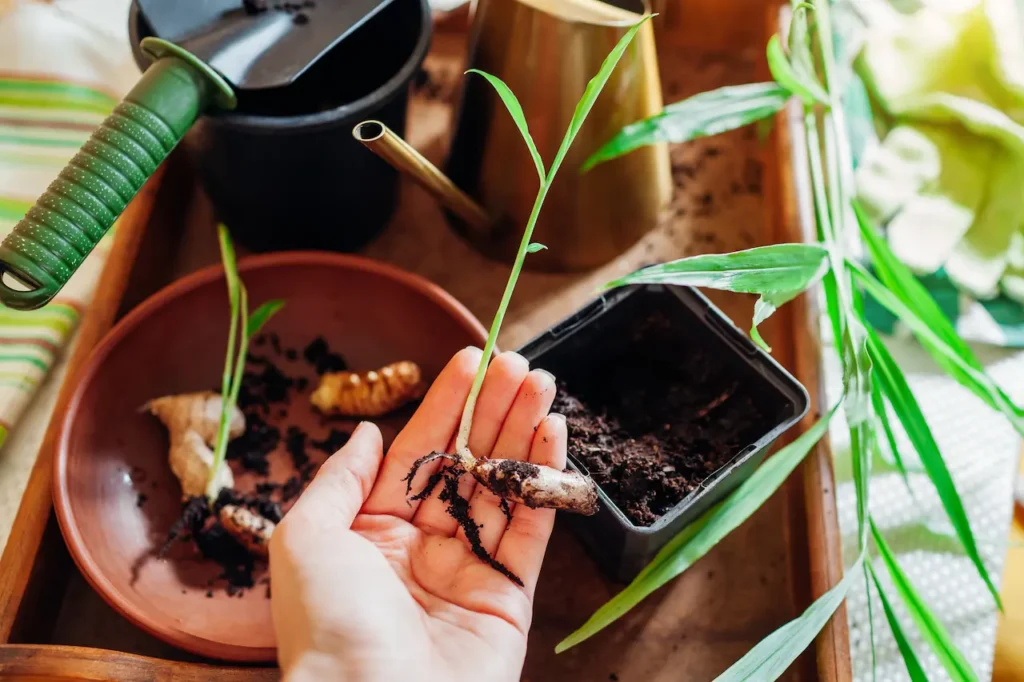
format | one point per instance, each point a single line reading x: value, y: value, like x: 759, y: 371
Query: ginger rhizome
x: 369, y: 394
x: 192, y: 421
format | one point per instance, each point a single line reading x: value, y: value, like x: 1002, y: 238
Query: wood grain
x: 67, y: 663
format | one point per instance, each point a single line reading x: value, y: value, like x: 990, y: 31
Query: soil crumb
x: 663, y: 415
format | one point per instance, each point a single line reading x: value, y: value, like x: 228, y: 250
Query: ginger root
x: 537, y: 486
x: 369, y: 394
x: 192, y: 420
x: 248, y: 527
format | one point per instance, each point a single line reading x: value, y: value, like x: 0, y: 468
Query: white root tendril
x: 192, y: 420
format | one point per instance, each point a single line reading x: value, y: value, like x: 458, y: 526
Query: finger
x: 524, y: 541
x: 344, y: 481
x: 501, y: 384
x: 430, y: 430
x: 531, y: 404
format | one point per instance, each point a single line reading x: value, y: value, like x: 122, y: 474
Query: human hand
x: 368, y: 586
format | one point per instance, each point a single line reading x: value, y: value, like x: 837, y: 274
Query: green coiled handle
x: 76, y: 210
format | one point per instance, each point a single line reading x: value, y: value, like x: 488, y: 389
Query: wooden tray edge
x: 22, y: 552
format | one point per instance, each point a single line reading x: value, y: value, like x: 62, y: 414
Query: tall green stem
x: 462, y: 439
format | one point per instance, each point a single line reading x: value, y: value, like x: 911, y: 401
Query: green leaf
x: 898, y: 278
x: 516, y: 111
x: 591, y: 93
x: 236, y: 295
x: 894, y: 386
x: 703, y: 115
x: 697, y: 539
x: 934, y: 633
x: 806, y: 88
x: 765, y: 307
x: 775, y: 653
x: 780, y: 269
x: 778, y: 273
x: 947, y: 357
x: 878, y: 405
x: 914, y: 668
x: 535, y: 247
x: 261, y: 315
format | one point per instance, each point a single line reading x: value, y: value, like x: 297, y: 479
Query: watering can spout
x: 401, y: 156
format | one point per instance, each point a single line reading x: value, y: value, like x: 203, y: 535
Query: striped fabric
x: 53, y: 77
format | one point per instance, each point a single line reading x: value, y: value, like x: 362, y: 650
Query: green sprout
x: 242, y: 328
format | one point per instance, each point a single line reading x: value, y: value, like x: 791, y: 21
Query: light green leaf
x: 262, y: 315
x: 898, y: 278
x: 878, y: 405
x: 775, y: 653
x: 516, y: 111
x: 535, y: 247
x: 947, y: 357
x: 703, y: 115
x: 894, y: 386
x: 930, y: 627
x: 806, y: 88
x: 776, y: 269
x: 765, y: 307
x: 914, y: 668
x: 697, y: 539
x: 591, y: 93
x: 778, y: 273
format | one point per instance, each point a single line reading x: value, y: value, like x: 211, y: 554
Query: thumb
x: 345, y: 480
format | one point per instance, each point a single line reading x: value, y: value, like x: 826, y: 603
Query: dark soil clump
x: 319, y: 355
x: 507, y: 480
x: 663, y: 414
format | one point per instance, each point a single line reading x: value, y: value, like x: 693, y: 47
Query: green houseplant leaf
x: 914, y: 668
x: 802, y: 85
x: 960, y: 368
x: 930, y: 627
x: 776, y: 652
x: 894, y: 385
x: 878, y: 405
x: 778, y: 273
x: 703, y: 115
x: 694, y: 542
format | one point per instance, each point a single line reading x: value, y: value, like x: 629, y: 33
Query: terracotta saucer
x: 114, y: 494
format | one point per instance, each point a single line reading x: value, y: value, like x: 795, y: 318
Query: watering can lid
x: 257, y: 44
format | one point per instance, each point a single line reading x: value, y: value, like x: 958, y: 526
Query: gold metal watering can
x: 546, y: 51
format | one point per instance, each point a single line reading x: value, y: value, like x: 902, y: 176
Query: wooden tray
x: 53, y: 626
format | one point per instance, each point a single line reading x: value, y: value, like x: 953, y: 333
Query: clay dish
x: 114, y: 494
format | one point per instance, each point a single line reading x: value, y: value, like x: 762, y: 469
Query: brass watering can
x: 546, y: 51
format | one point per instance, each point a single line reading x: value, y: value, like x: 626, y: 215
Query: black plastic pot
x: 619, y: 546
x: 283, y: 170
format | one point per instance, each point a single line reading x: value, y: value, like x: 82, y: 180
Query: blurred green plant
x: 808, y: 71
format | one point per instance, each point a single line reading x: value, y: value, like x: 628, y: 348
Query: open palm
x: 370, y: 586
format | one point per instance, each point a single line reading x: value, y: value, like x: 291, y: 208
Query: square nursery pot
x: 659, y: 369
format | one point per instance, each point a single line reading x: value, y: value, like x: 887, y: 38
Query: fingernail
x: 546, y: 373
x: 557, y: 416
x: 359, y: 427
